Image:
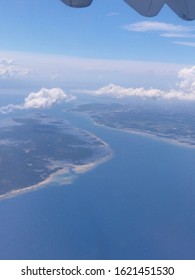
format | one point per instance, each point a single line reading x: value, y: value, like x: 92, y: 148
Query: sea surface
x: 138, y: 205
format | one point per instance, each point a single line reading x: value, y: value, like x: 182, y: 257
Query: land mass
x: 34, y: 149
x: 175, y: 125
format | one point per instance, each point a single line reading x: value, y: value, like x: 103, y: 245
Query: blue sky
x: 47, y: 44
x: 97, y: 31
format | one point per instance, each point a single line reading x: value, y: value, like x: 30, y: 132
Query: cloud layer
x: 45, y: 98
x: 185, y: 89
x: 73, y: 72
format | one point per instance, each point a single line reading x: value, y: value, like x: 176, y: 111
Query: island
x: 171, y: 122
x: 34, y: 150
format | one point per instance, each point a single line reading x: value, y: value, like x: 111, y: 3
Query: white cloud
x: 10, y: 108
x: 188, y: 44
x: 6, y: 61
x: 9, y: 70
x: 187, y: 76
x: 145, y: 26
x: 44, y: 98
x: 177, y: 35
x: 116, y: 91
x: 162, y: 28
x: 185, y: 89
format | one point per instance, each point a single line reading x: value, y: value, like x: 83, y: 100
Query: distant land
x: 35, y: 149
x: 173, y: 125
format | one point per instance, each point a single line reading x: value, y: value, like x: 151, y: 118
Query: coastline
x: 67, y: 174
x: 34, y: 187
x: 160, y: 138
x: 149, y: 135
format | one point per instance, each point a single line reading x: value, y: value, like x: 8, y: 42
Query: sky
x: 45, y: 44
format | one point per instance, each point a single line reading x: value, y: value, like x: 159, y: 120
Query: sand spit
x: 65, y: 176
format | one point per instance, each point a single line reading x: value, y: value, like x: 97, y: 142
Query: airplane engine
x: 77, y: 3
x: 185, y: 9
x: 147, y: 8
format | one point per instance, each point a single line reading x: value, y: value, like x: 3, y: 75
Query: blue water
x: 139, y: 205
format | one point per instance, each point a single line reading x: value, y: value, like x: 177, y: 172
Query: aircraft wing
x: 183, y: 8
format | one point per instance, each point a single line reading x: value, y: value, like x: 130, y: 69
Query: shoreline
x: 149, y: 135
x: 141, y: 133
x: 69, y: 172
x: 160, y: 138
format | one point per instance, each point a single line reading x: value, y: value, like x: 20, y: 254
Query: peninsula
x: 33, y: 150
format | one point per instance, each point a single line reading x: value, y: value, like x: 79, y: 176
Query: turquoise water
x: 139, y: 205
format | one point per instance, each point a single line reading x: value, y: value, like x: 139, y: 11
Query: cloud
x: 187, y: 77
x: 185, y: 89
x: 116, y: 91
x: 162, y: 28
x: 6, y: 61
x: 188, y: 44
x: 177, y: 35
x: 10, y: 108
x: 45, y: 98
x: 74, y: 72
x: 144, y: 26
x: 9, y: 70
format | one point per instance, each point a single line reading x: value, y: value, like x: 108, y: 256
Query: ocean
x: 138, y: 205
